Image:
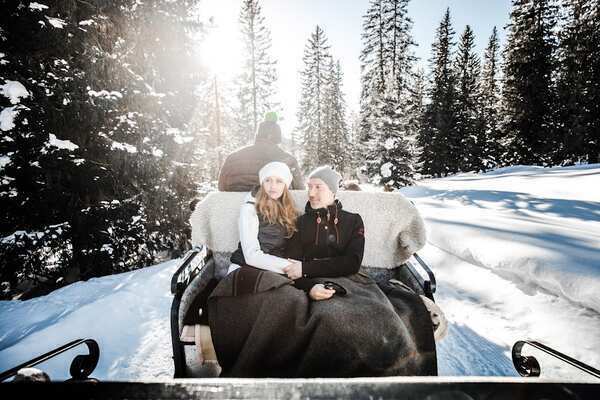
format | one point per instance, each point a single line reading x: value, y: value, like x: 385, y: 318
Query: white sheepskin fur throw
x: 394, y: 230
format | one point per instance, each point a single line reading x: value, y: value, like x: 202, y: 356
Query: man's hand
x: 318, y: 292
x: 293, y: 270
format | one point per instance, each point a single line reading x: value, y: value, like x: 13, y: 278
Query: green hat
x: 271, y: 116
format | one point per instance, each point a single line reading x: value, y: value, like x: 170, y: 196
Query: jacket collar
x: 336, y: 206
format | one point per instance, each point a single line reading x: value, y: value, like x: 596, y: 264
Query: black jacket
x: 330, y: 242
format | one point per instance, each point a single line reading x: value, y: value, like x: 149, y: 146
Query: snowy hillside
x: 515, y: 251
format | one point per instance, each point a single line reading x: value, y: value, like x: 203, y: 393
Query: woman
x: 267, y: 219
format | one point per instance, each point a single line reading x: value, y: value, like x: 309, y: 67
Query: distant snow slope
x: 515, y: 252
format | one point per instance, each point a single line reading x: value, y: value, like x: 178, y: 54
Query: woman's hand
x: 318, y: 292
x: 293, y: 270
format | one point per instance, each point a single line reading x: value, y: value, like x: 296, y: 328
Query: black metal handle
x: 81, y: 366
x: 188, y: 265
x: 528, y: 366
x: 432, y: 283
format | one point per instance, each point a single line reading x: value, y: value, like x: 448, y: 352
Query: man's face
x: 319, y: 194
x: 274, y: 186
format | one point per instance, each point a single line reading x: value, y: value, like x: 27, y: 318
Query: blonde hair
x: 280, y: 211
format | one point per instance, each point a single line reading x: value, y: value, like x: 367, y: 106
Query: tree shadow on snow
x: 518, y: 202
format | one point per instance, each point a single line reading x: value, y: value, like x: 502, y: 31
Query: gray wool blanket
x: 263, y: 326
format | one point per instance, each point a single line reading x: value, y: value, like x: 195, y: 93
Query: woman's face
x: 274, y: 187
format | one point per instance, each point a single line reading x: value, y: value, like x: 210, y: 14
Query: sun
x: 221, y: 51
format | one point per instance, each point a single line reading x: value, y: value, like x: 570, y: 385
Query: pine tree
x: 354, y: 158
x: 96, y: 174
x: 373, y: 59
x: 415, y: 111
x: 437, y: 138
x: 335, y: 133
x: 257, y: 82
x: 492, y: 145
x: 387, y: 72
x: 529, y: 93
x: 393, y: 168
x: 311, y: 113
x: 469, y: 143
x: 399, y: 44
x: 579, y: 83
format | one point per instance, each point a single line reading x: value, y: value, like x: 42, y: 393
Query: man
x: 240, y: 170
x: 330, y: 240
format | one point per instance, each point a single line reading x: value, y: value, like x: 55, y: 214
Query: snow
x: 30, y: 372
x: 112, y: 95
x: 389, y: 144
x: 4, y: 160
x: 157, y: 152
x: 14, y: 90
x: 134, y: 343
x: 37, y: 6
x: 7, y: 118
x: 123, y: 146
x: 62, y: 144
x: 514, y: 252
x: 178, y: 137
x: 386, y: 170
x: 56, y: 22
x: 11, y: 238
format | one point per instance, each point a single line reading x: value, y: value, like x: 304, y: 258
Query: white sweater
x: 248, y: 227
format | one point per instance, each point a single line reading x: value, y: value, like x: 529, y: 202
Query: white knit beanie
x: 278, y: 169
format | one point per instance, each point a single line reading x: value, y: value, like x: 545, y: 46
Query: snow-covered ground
x: 516, y: 253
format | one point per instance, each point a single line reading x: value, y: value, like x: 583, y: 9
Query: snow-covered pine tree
x: 438, y: 130
x: 257, y: 82
x: 492, y: 142
x: 415, y: 110
x: 47, y: 58
x: 335, y: 133
x: 468, y: 146
x: 354, y: 158
x: 394, y: 166
x: 400, y: 49
x: 313, y: 100
x: 387, y: 65
x: 106, y: 184
x: 529, y: 103
x: 579, y: 83
x: 373, y: 58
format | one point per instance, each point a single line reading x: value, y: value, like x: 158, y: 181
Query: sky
x: 291, y: 23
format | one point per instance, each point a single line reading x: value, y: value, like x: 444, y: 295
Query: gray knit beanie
x: 328, y: 175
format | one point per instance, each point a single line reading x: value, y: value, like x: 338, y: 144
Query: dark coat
x: 240, y: 169
x: 330, y: 242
